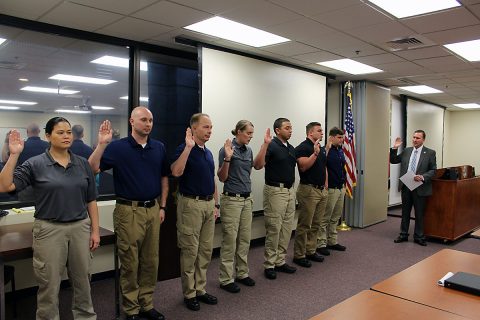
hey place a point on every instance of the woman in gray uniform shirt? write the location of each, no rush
(65, 230)
(235, 165)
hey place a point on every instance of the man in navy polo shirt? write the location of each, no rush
(140, 172)
(197, 209)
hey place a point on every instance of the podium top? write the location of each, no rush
(455, 173)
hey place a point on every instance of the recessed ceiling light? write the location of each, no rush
(72, 111)
(469, 50)
(68, 77)
(349, 66)
(102, 108)
(237, 32)
(23, 79)
(49, 90)
(118, 62)
(408, 8)
(2, 40)
(143, 99)
(9, 107)
(420, 89)
(467, 105)
(27, 103)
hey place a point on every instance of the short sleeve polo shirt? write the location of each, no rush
(316, 173)
(240, 168)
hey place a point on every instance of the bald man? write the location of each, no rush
(140, 172)
(33, 145)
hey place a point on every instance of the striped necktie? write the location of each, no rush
(413, 164)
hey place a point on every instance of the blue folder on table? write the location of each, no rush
(464, 281)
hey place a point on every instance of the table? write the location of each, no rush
(369, 304)
(16, 243)
(419, 283)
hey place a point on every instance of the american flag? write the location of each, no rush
(349, 146)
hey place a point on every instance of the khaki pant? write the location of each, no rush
(333, 212)
(195, 227)
(311, 209)
(57, 246)
(236, 213)
(279, 211)
(138, 233)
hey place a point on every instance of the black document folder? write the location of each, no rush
(464, 281)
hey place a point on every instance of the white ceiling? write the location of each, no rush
(319, 30)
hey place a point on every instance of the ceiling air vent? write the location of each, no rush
(12, 65)
(407, 43)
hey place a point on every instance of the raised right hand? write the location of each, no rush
(15, 142)
(189, 142)
(228, 147)
(105, 132)
(398, 142)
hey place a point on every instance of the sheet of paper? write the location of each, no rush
(408, 181)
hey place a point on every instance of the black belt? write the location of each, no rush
(145, 204)
(316, 186)
(238, 195)
(203, 198)
(279, 184)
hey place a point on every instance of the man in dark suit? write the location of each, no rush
(423, 162)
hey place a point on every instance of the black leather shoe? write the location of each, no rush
(231, 287)
(152, 314)
(285, 268)
(270, 273)
(132, 317)
(246, 281)
(302, 262)
(315, 257)
(323, 251)
(400, 239)
(207, 298)
(192, 304)
(421, 242)
(337, 247)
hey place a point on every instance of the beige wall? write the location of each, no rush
(333, 106)
(462, 145)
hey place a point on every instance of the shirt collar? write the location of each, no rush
(51, 161)
(134, 142)
(239, 146)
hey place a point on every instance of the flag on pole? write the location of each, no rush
(349, 146)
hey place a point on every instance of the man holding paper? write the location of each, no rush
(418, 163)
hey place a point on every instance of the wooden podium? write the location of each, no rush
(454, 208)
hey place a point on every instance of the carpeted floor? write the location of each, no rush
(371, 256)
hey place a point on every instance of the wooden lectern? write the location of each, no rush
(453, 210)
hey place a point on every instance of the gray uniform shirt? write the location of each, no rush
(241, 164)
(61, 194)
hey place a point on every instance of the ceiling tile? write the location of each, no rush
(289, 49)
(364, 16)
(260, 14)
(455, 35)
(66, 14)
(443, 20)
(379, 59)
(444, 64)
(171, 14)
(405, 68)
(467, 79)
(334, 39)
(299, 30)
(475, 10)
(309, 7)
(213, 6)
(360, 50)
(125, 7)
(423, 53)
(381, 33)
(318, 56)
(27, 9)
(9, 33)
(135, 29)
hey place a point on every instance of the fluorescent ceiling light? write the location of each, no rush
(234, 31)
(2, 40)
(420, 89)
(118, 62)
(349, 66)
(68, 77)
(23, 79)
(408, 8)
(72, 111)
(469, 50)
(467, 105)
(102, 108)
(9, 107)
(27, 103)
(49, 90)
(143, 99)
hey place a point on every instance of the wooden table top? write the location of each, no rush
(419, 283)
(16, 241)
(369, 304)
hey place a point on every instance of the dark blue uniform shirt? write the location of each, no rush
(336, 167)
(33, 147)
(81, 149)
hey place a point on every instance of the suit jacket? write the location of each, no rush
(427, 164)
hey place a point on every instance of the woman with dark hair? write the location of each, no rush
(65, 230)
